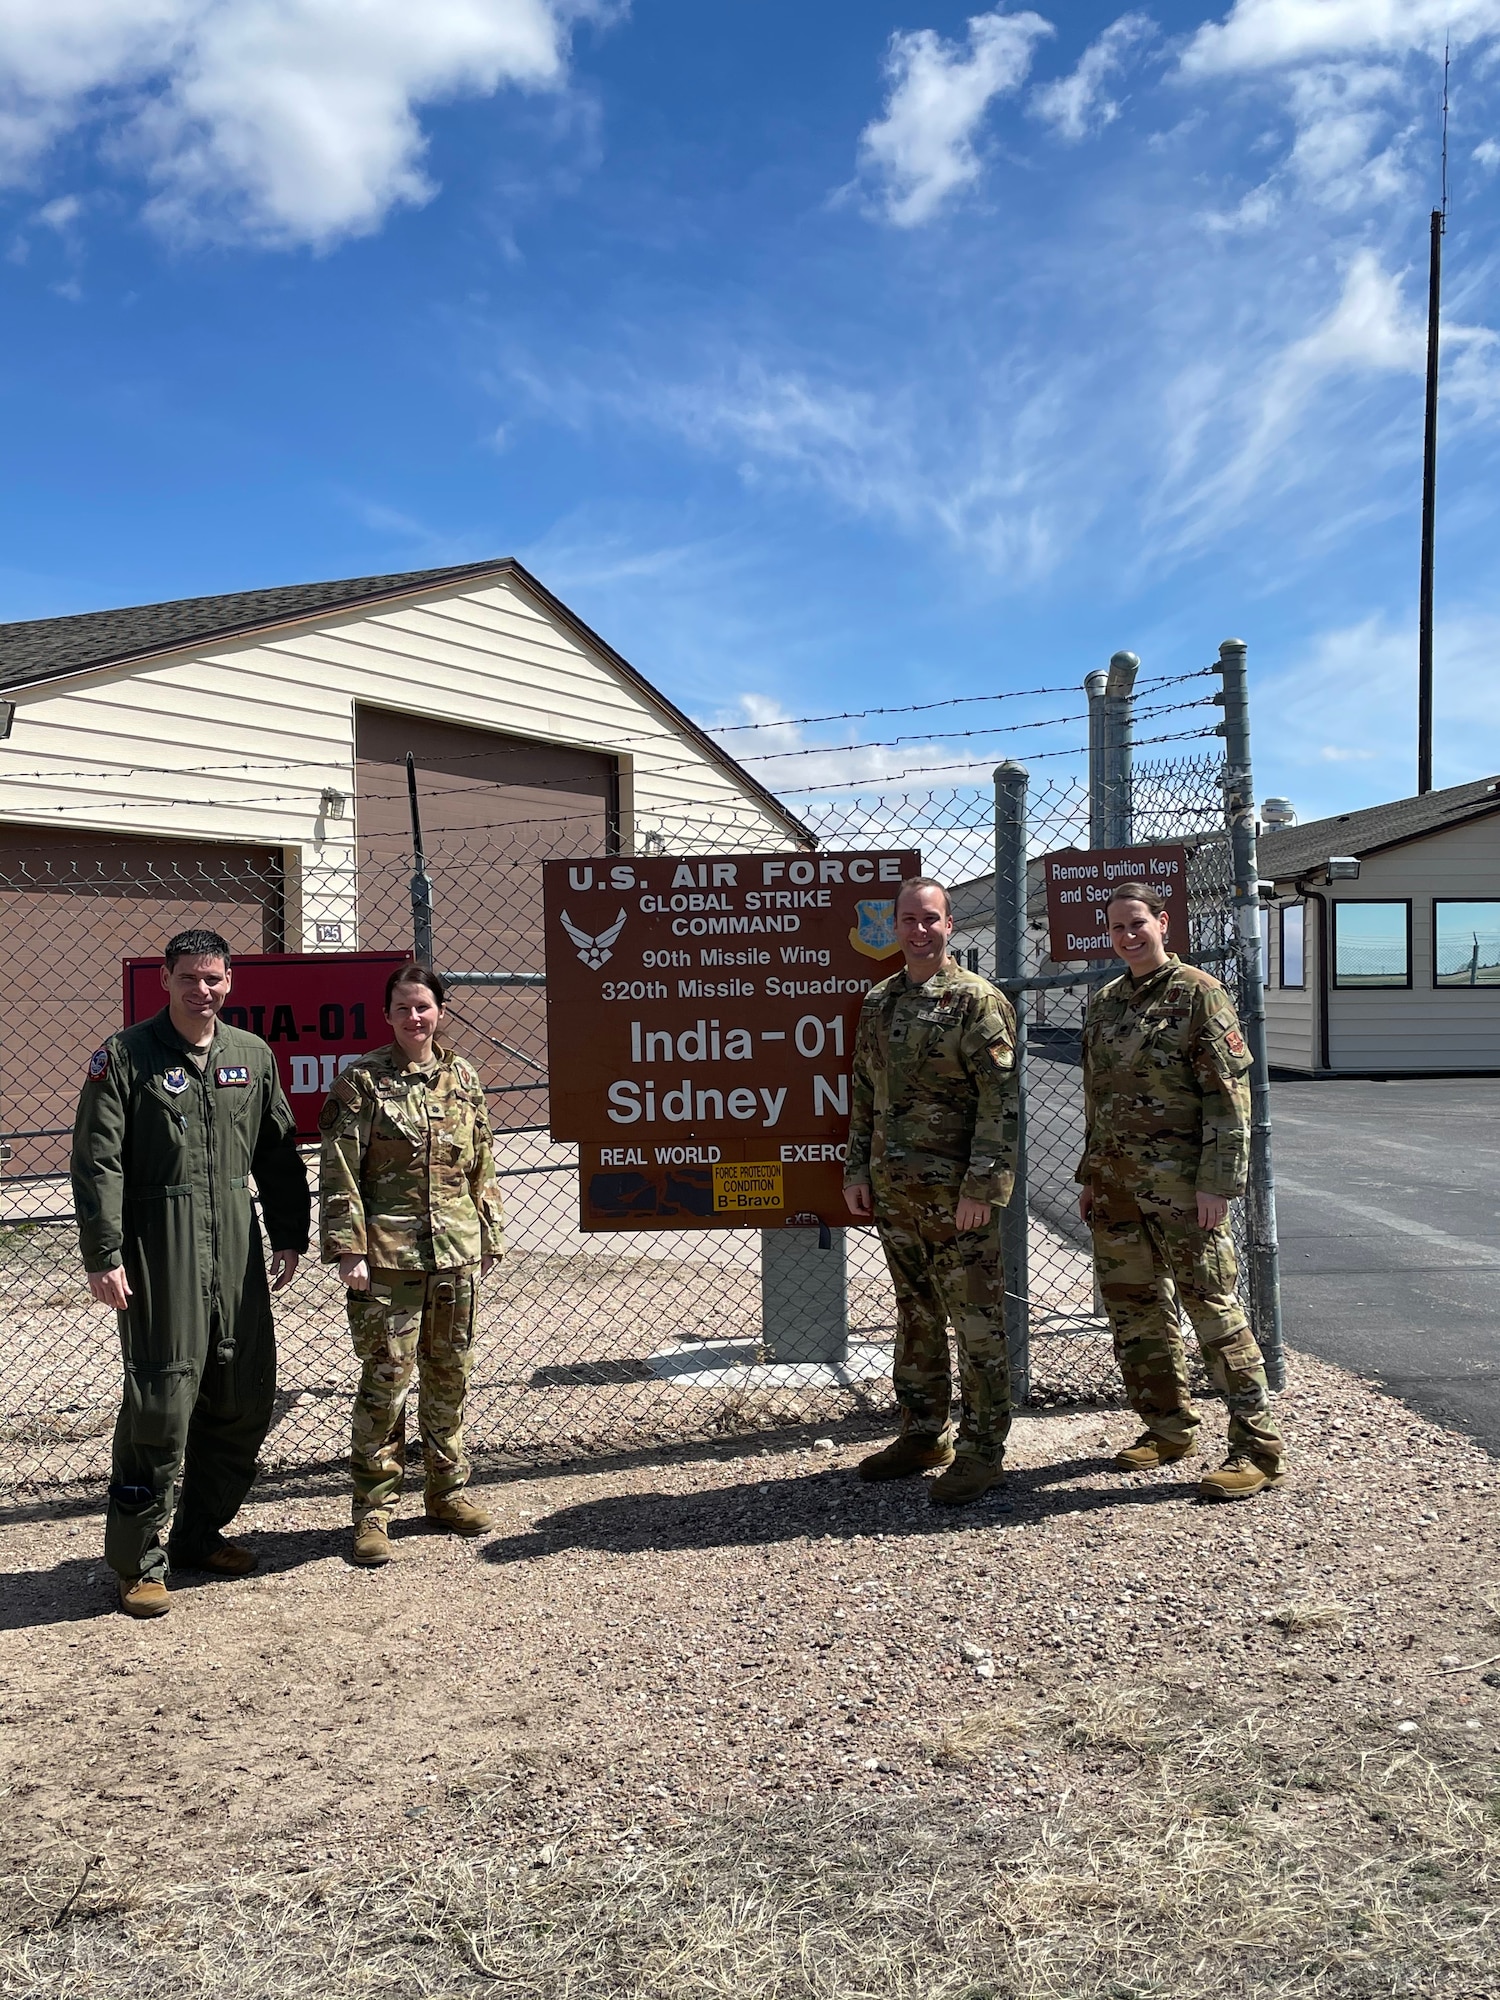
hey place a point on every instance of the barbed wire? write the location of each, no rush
(431, 791)
(927, 770)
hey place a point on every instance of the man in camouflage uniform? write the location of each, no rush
(932, 1149)
(411, 1214)
(1167, 1147)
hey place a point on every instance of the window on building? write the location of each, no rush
(1372, 944)
(1293, 944)
(1465, 943)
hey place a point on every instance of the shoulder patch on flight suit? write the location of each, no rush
(99, 1063)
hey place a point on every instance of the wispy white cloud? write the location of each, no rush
(1269, 34)
(1340, 717)
(280, 121)
(921, 151)
(1079, 103)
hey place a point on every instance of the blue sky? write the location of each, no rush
(821, 357)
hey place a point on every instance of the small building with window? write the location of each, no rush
(1382, 953)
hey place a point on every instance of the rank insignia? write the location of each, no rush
(174, 1080)
(99, 1064)
(229, 1079)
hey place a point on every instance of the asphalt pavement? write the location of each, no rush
(1388, 1203)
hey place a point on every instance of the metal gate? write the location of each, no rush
(597, 1344)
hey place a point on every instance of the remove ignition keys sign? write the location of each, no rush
(700, 1027)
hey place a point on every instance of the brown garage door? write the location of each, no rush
(74, 905)
(493, 809)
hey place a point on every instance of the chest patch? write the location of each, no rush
(174, 1080)
(237, 1077)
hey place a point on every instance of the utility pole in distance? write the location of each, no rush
(1439, 223)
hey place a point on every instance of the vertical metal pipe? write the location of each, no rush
(1010, 963)
(1239, 813)
(1093, 687)
(421, 881)
(1429, 508)
(1118, 734)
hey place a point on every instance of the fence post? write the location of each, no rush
(1010, 963)
(1239, 813)
(1117, 732)
(421, 881)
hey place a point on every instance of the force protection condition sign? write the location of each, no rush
(700, 1026)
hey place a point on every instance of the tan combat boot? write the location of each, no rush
(372, 1545)
(1238, 1477)
(458, 1515)
(144, 1597)
(965, 1480)
(1149, 1451)
(912, 1452)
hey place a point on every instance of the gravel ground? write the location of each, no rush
(708, 1636)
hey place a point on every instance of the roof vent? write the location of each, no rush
(1278, 812)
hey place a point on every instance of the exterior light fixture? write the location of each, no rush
(333, 803)
(7, 717)
(1343, 867)
(653, 845)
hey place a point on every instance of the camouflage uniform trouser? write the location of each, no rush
(1149, 1253)
(411, 1320)
(940, 1275)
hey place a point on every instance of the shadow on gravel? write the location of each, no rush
(83, 1588)
(834, 1505)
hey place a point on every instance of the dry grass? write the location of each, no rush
(1234, 1866)
(1310, 1614)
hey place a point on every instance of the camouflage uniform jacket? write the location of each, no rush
(408, 1166)
(1166, 1099)
(935, 1087)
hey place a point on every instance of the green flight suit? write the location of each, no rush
(162, 1159)
(935, 1119)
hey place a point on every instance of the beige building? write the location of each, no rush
(241, 760)
(1392, 966)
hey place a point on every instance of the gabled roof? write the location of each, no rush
(46, 649)
(1288, 851)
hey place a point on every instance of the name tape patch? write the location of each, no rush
(236, 1077)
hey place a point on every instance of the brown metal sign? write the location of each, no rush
(1080, 882)
(700, 1024)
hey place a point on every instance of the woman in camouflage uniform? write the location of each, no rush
(1167, 1106)
(411, 1215)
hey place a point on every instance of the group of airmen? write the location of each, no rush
(178, 1113)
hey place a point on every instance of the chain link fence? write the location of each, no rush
(588, 1343)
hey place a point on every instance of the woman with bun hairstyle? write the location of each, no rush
(411, 1215)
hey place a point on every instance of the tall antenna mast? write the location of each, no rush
(1439, 223)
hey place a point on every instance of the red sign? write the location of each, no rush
(700, 1026)
(318, 1011)
(1080, 882)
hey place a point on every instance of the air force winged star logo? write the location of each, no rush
(594, 951)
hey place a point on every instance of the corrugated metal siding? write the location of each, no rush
(1428, 1027)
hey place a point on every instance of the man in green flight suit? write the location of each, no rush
(175, 1116)
(1167, 1146)
(932, 1153)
